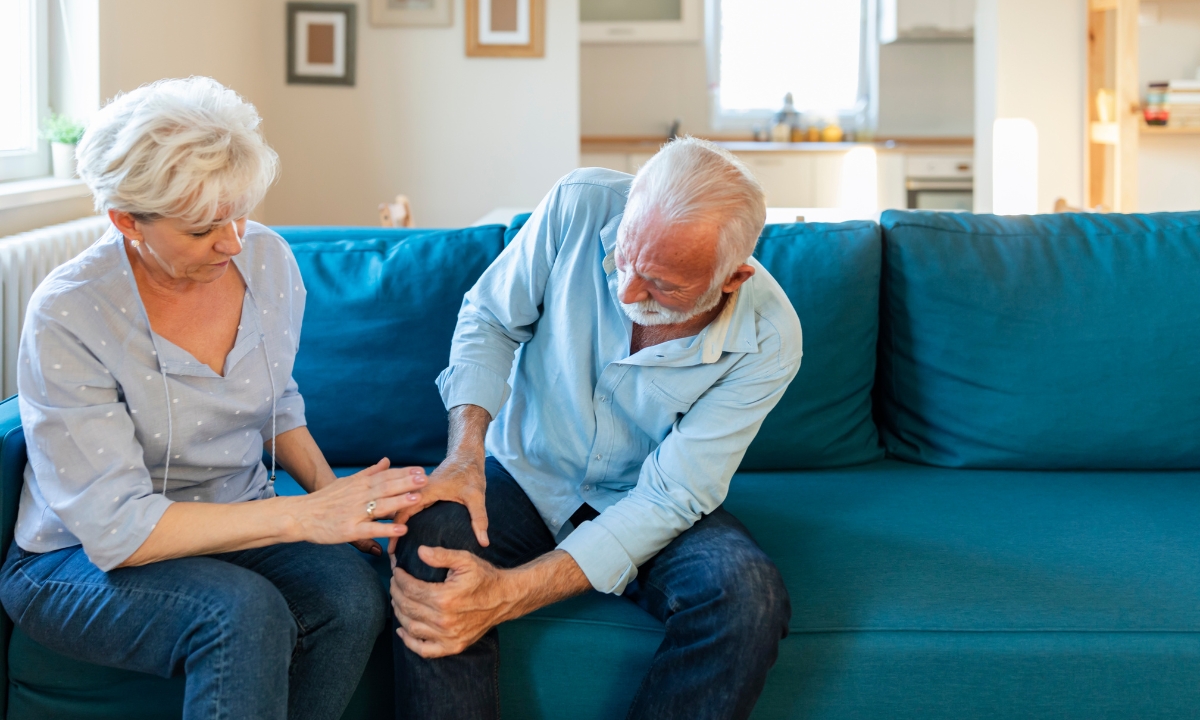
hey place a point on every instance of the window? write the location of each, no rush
(821, 51)
(22, 89)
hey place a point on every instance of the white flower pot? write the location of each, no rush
(63, 157)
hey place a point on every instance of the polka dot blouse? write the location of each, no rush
(102, 399)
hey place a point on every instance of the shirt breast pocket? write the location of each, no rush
(668, 399)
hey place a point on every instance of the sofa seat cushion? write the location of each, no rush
(381, 310)
(917, 592)
(922, 592)
(1063, 341)
(896, 546)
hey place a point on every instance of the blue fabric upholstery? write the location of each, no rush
(515, 226)
(831, 275)
(377, 329)
(918, 592)
(1052, 341)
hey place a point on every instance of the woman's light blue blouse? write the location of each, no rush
(105, 403)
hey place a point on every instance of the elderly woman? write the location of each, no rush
(153, 369)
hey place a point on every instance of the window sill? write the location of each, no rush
(22, 193)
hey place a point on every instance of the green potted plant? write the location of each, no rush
(64, 134)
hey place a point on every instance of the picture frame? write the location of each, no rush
(412, 13)
(322, 43)
(506, 28)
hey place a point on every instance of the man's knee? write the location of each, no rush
(755, 604)
(442, 524)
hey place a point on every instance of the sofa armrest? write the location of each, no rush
(12, 477)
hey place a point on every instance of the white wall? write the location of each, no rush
(1030, 63)
(458, 135)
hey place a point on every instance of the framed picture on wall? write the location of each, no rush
(506, 28)
(412, 13)
(321, 43)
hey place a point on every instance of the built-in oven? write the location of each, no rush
(940, 182)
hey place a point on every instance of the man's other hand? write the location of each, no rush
(457, 481)
(440, 619)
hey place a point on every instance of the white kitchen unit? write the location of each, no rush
(926, 19)
(808, 178)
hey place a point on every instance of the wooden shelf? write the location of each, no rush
(1168, 130)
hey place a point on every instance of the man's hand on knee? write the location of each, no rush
(463, 482)
(439, 619)
(461, 477)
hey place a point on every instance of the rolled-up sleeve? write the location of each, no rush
(83, 449)
(498, 314)
(685, 478)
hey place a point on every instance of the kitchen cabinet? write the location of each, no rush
(926, 19)
(787, 178)
(795, 178)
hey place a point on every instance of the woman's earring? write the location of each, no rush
(135, 243)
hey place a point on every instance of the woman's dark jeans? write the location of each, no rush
(720, 596)
(276, 632)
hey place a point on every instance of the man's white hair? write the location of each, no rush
(189, 149)
(693, 181)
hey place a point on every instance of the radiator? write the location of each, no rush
(25, 260)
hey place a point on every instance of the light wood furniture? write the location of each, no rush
(1110, 163)
(1167, 130)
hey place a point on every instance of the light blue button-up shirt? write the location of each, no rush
(651, 440)
(106, 402)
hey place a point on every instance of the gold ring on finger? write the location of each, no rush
(371, 509)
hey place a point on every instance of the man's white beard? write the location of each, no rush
(652, 312)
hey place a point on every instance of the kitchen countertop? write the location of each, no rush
(651, 145)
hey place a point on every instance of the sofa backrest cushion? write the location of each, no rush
(830, 272)
(380, 314)
(1042, 342)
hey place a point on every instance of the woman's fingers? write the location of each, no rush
(370, 530)
(380, 466)
(396, 482)
(389, 506)
(368, 546)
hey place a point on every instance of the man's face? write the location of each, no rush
(666, 272)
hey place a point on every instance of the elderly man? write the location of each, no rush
(649, 347)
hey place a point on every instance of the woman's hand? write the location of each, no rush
(337, 512)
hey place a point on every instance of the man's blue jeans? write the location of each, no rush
(276, 632)
(721, 598)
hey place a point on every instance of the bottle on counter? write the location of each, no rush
(785, 121)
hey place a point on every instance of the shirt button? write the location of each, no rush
(602, 398)
(587, 487)
(598, 456)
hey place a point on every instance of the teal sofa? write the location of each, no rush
(982, 489)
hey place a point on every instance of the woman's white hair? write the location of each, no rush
(693, 181)
(189, 149)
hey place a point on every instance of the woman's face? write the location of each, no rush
(181, 251)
